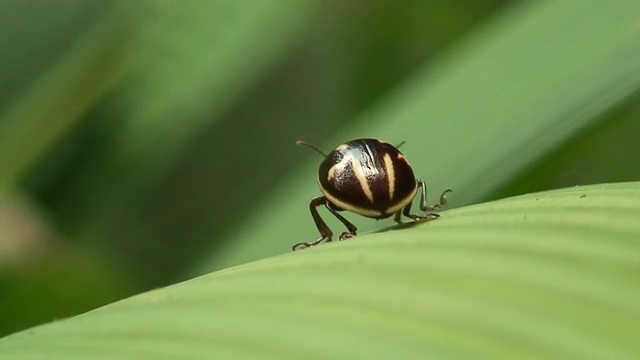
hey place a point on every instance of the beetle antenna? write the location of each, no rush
(401, 143)
(303, 143)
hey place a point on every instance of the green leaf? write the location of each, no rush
(191, 73)
(530, 80)
(182, 70)
(547, 275)
(193, 61)
(68, 88)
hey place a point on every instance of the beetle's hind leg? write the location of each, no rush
(407, 212)
(442, 201)
(424, 206)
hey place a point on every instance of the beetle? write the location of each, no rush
(369, 177)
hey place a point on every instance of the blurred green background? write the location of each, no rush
(137, 137)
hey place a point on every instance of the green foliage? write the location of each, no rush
(466, 116)
(546, 275)
(154, 141)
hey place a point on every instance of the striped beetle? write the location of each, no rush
(369, 177)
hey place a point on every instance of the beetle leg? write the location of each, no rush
(398, 216)
(423, 198)
(325, 232)
(407, 212)
(353, 230)
(423, 204)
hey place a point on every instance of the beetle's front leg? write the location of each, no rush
(353, 230)
(325, 232)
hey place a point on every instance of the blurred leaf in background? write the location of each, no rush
(59, 60)
(132, 132)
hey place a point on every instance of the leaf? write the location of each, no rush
(180, 67)
(199, 58)
(547, 275)
(61, 96)
(522, 85)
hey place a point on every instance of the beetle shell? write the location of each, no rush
(369, 177)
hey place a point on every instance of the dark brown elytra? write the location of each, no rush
(369, 177)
